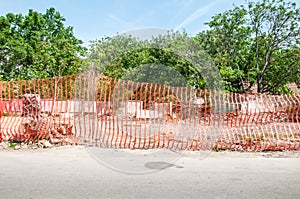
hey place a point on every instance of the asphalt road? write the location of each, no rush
(79, 172)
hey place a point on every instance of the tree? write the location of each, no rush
(172, 59)
(226, 42)
(38, 46)
(256, 44)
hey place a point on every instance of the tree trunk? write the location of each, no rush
(259, 86)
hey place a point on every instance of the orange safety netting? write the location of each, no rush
(107, 112)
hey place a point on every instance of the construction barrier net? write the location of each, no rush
(107, 112)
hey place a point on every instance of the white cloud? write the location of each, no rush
(198, 13)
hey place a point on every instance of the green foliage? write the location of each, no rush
(173, 59)
(37, 46)
(256, 44)
(12, 144)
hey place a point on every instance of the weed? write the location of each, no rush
(217, 149)
(12, 145)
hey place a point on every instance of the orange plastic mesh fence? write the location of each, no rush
(107, 112)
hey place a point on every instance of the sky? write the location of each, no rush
(94, 19)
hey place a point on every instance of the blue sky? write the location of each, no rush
(94, 19)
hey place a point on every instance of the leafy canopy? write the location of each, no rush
(37, 46)
(257, 44)
(173, 59)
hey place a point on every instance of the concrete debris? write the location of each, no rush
(104, 112)
(17, 147)
(44, 144)
(24, 146)
(68, 141)
(67, 116)
(4, 145)
(55, 141)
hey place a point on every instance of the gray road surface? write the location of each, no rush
(75, 172)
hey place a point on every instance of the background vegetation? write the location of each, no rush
(253, 45)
